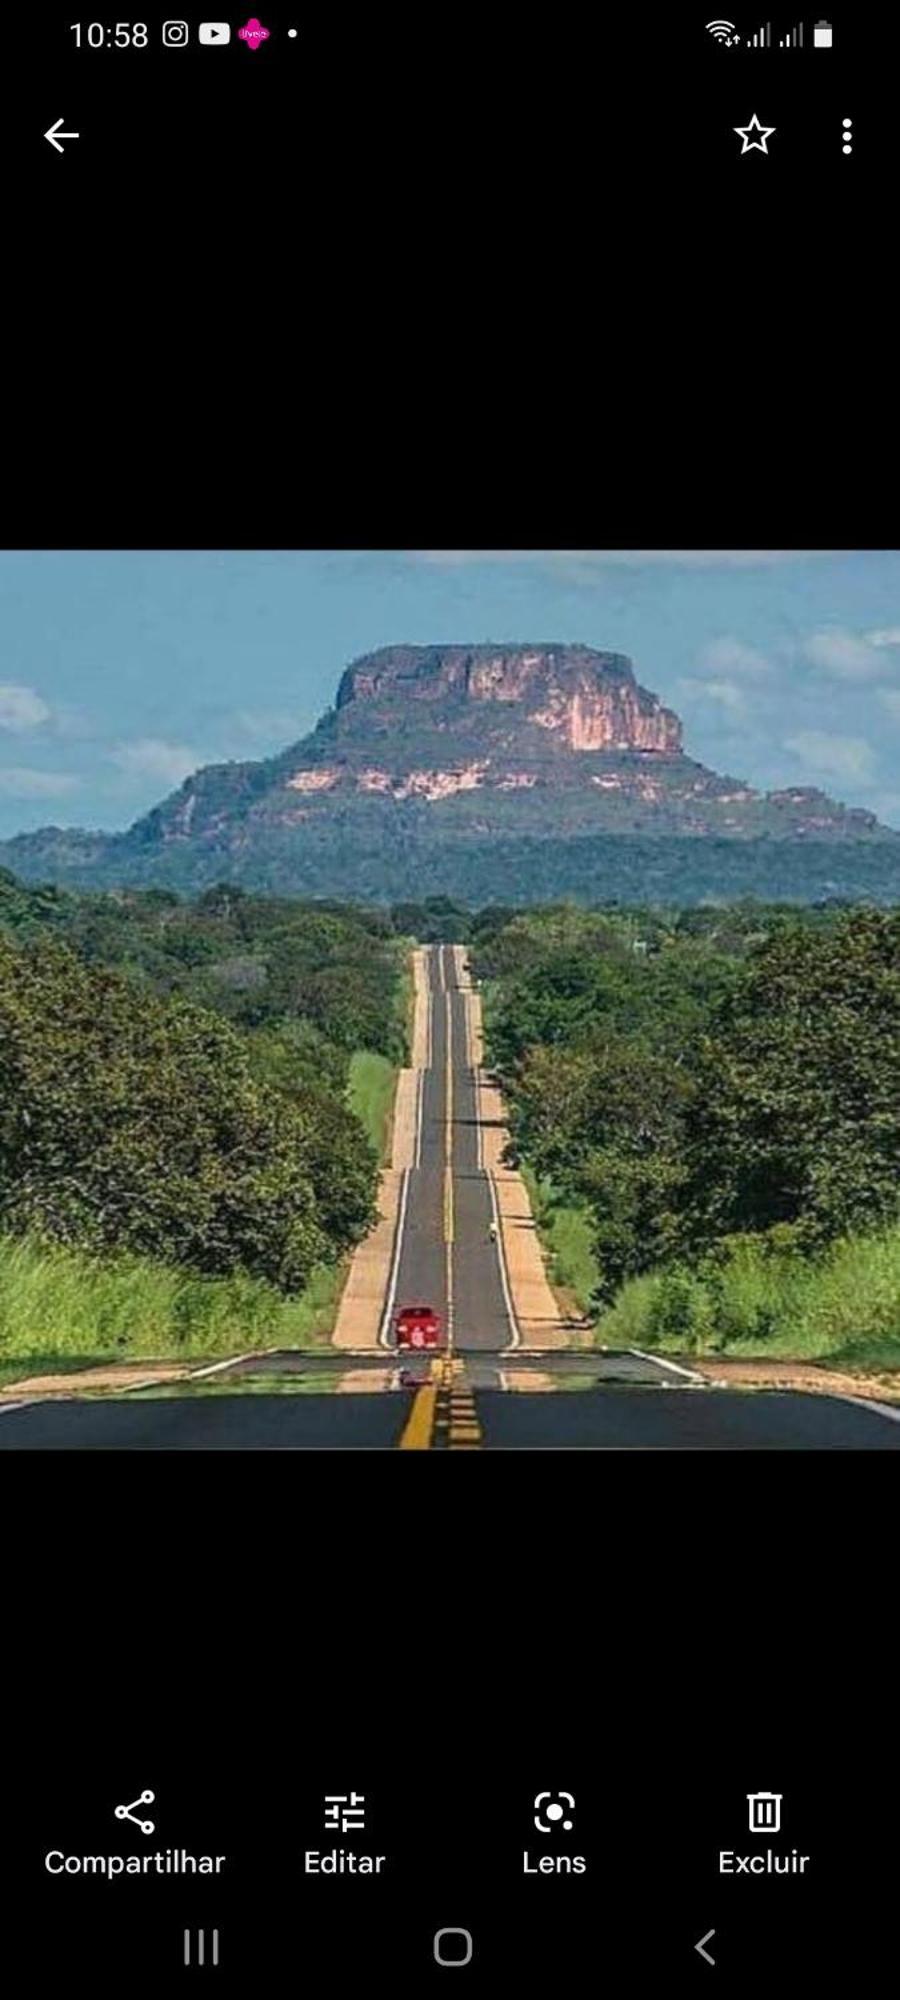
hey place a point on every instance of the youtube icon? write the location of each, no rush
(214, 33)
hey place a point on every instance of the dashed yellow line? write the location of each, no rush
(443, 1411)
(463, 1430)
(448, 1167)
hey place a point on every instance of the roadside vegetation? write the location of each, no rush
(195, 1097)
(370, 1095)
(709, 1103)
(754, 1301)
(567, 1236)
(194, 1103)
(60, 1308)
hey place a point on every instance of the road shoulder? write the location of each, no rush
(359, 1314)
(537, 1312)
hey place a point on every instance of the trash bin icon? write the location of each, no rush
(765, 1811)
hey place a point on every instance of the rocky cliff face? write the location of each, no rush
(586, 699)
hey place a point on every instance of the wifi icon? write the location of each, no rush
(723, 31)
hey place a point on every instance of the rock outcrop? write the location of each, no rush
(521, 770)
(588, 700)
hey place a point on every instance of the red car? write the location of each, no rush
(417, 1326)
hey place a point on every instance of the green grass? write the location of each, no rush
(842, 1306)
(405, 996)
(370, 1092)
(565, 1233)
(60, 1308)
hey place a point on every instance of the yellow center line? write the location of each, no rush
(443, 1411)
(448, 1167)
(445, 1404)
(418, 1430)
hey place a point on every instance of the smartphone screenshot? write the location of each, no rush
(449, 1001)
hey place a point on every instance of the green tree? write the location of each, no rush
(127, 1120)
(796, 1113)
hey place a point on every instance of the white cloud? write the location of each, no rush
(686, 558)
(17, 782)
(844, 656)
(731, 657)
(21, 707)
(889, 637)
(152, 757)
(832, 756)
(726, 694)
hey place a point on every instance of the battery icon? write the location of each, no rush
(822, 35)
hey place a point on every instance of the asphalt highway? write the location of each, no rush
(600, 1417)
(447, 1259)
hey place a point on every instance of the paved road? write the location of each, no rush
(491, 1393)
(446, 1257)
(604, 1417)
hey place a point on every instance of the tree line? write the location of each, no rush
(173, 1075)
(695, 1078)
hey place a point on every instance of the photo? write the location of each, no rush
(449, 999)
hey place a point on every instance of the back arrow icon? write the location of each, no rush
(54, 135)
(699, 1947)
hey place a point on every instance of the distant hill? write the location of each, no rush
(485, 772)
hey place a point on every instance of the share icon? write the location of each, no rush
(128, 1812)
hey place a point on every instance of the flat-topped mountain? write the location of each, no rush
(578, 698)
(485, 771)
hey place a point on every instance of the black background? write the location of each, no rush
(448, 283)
(406, 280)
(658, 1637)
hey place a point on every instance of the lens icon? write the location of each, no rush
(175, 34)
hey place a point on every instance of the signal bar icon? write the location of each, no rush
(793, 40)
(762, 38)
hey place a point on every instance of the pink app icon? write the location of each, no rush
(254, 34)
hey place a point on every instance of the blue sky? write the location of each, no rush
(120, 672)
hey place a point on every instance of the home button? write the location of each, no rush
(453, 1946)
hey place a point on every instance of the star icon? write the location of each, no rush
(763, 134)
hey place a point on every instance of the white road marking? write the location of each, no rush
(515, 1337)
(385, 1327)
(448, 1161)
(690, 1373)
(889, 1410)
(231, 1361)
(384, 1331)
(420, 1097)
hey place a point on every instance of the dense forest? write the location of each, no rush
(182, 1083)
(715, 1095)
(361, 853)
